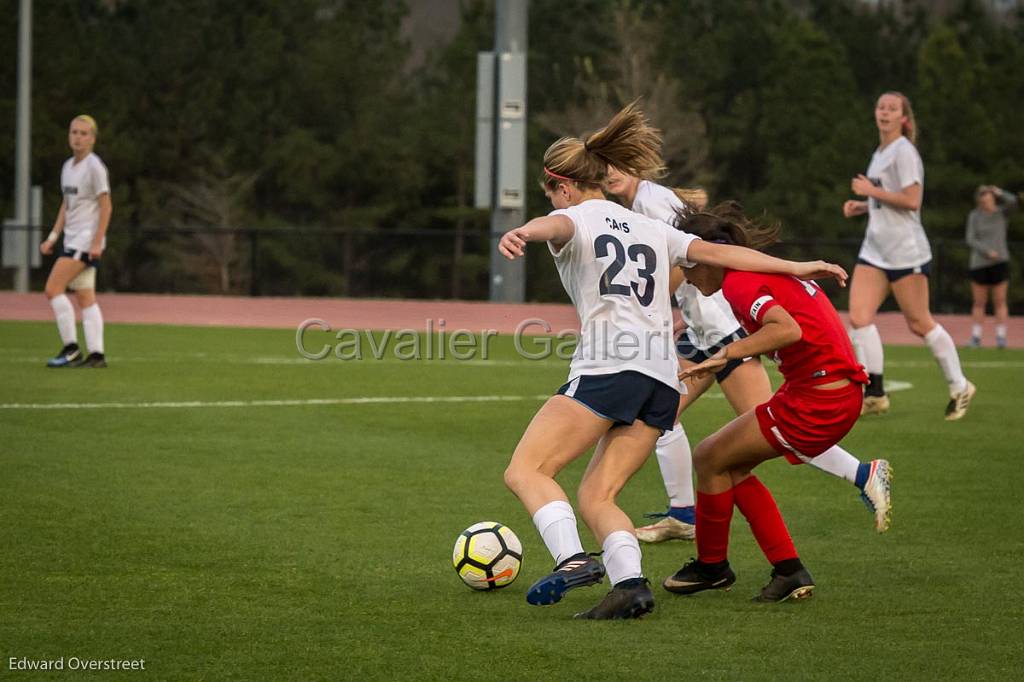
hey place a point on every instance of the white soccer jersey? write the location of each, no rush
(615, 269)
(82, 183)
(895, 239)
(708, 319)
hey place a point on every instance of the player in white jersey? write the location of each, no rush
(710, 326)
(622, 389)
(83, 218)
(896, 256)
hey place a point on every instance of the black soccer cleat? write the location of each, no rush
(697, 576)
(67, 356)
(629, 599)
(94, 360)
(579, 570)
(799, 585)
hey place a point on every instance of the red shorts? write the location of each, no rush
(803, 422)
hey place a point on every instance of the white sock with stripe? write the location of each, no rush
(676, 463)
(92, 325)
(65, 316)
(556, 523)
(944, 350)
(621, 556)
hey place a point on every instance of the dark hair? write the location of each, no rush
(727, 224)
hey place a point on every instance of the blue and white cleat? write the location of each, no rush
(877, 494)
(579, 570)
(67, 357)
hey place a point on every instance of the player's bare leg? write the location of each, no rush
(619, 455)
(64, 270)
(559, 433)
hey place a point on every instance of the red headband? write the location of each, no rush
(556, 175)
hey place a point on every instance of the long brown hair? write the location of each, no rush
(727, 224)
(629, 142)
(908, 127)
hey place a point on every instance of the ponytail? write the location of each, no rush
(628, 142)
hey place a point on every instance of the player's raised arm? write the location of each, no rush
(742, 258)
(556, 229)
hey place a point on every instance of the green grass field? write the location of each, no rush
(305, 541)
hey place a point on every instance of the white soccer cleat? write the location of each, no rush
(959, 402)
(877, 494)
(875, 404)
(666, 529)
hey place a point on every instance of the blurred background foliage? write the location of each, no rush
(325, 147)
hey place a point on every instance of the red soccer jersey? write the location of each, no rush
(824, 353)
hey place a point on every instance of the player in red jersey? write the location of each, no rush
(816, 406)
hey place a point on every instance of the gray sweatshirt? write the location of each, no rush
(987, 232)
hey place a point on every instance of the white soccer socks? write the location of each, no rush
(944, 350)
(676, 463)
(867, 343)
(621, 556)
(92, 324)
(65, 316)
(556, 523)
(838, 462)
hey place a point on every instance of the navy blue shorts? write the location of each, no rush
(83, 256)
(893, 275)
(687, 351)
(625, 397)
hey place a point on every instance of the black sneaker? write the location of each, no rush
(94, 360)
(799, 585)
(67, 356)
(629, 599)
(579, 570)
(697, 576)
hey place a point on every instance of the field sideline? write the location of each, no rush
(224, 509)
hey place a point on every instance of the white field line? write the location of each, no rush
(891, 386)
(374, 400)
(894, 386)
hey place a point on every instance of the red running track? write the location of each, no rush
(341, 313)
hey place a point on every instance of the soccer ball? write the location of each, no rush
(487, 556)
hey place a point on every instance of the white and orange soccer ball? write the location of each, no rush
(487, 556)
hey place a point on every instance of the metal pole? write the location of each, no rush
(22, 143)
(510, 38)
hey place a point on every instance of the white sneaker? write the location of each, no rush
(877, 494)
(667, 529)
(875, 404)
(959, 402)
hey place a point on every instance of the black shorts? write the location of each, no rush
(687, 351)
(991, 275)
(83, 256)
(625, 397)
(893, 275)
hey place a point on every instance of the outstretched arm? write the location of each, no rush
(742, 258)
(557, 229)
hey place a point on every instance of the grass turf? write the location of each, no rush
(314, 541)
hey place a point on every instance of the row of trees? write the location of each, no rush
(267, 114)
